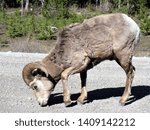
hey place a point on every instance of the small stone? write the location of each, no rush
(29, 98)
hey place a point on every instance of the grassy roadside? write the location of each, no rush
(23, 44)
(23, 34)
(144, 48)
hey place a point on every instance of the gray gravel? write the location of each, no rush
(105, 86)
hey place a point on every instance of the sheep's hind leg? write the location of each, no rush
(83, 95)
(129, 69)
(130, 75)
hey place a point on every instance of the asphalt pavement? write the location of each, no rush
(105, 85)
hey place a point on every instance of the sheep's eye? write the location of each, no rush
(35, 87)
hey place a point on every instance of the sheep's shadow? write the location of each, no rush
(138, 92)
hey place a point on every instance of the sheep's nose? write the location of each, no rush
(42, 103)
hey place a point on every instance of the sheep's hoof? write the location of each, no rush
(122, 102)
(81, 101)
(129, 100)
(68, 103)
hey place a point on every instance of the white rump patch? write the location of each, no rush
(133, 27)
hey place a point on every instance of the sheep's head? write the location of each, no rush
(36, 77)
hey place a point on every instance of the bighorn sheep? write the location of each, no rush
(81, 46)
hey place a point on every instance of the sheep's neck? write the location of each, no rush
(53, 69)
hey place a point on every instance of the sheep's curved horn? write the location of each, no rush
(28, 72)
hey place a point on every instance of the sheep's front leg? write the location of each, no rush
(83, 95)
(66, 92)
(72, 70)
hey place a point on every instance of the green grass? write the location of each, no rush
(33, 27)
(38, 27)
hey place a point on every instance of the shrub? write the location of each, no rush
(144, 18)
(42, 29)
(18, 25)
(145, 25)
(4, 42)
(37, 27)
(56, 8)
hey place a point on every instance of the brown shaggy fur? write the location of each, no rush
(81, 46)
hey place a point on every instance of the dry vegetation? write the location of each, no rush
(23, 44)
(144, 48)
(16, 28)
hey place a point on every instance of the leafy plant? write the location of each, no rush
(144, 19)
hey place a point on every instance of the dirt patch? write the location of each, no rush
(144, 48)
(26, 45)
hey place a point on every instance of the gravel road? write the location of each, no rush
(105, 85)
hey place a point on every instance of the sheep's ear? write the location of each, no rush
(35, 72)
